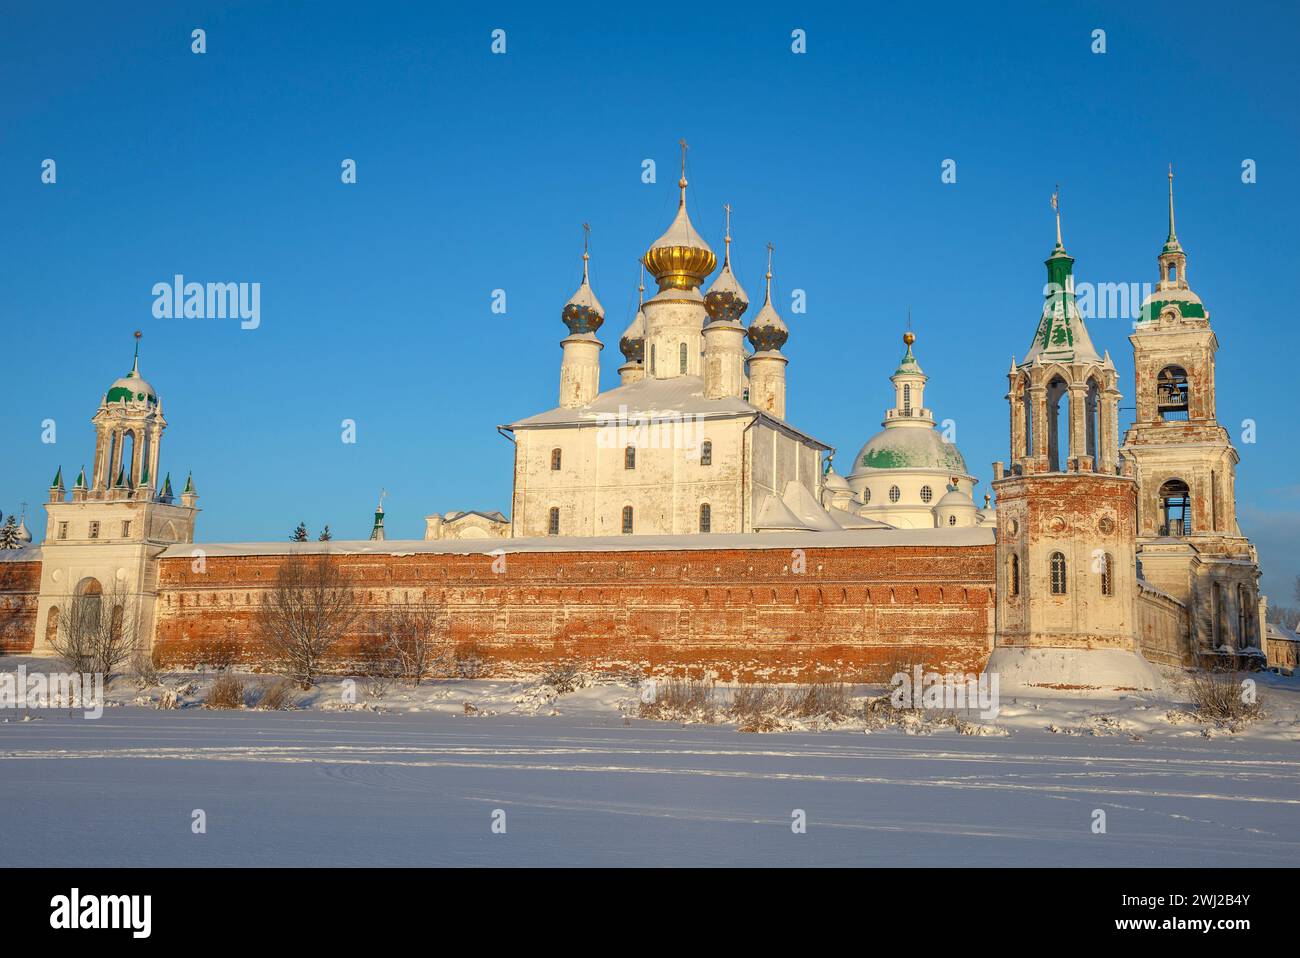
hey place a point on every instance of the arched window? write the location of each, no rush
(629, 457)
(706, 453)
(1175, 509)
(894, 494)
(1013, 574)
(706, 517)
(553, 522)
(681, 357)
(1058, 573)
(952, 520)
(1058, 425)
(653, 364)
(1173, 273)
(866, 497)
(1172, 394)
(926, 494)
(1107, 575)
(907, 399)
(52, 625)
(555, 459)
(627, 520)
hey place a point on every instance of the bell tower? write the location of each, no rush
(104, 541)
(1189, 543)
(1066, 512)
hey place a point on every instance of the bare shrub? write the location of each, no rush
(276, 696)
(408, 641)
(1219, 696)
(227, 692)
(903, 659)
(829, 699)
(219, 655)
(468, 660)
(144, 668)
(562, 676)
(310, 607)
(99, 632)
(677, 698)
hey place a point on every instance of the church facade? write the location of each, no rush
(679, 520)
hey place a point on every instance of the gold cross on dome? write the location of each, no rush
(586, 235)
(682, 144)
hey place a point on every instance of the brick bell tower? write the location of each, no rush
(1189, 544)
(1066, 512)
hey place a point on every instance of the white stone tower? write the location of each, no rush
(103, 543)
(724, 334)
(767, 334)
(580, 367)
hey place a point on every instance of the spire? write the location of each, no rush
(81, 479)
(1056, 205)
(166, 494)
(135, 363)
(377, 531)
(1172, 242)
(58, 479)
(583, 312)
(189, 483)
(1061, 335)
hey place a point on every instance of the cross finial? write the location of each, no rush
(586, 237)
(1056, 205)
(1172, 235)
(727, 208)
(640, 289)
(769, 272)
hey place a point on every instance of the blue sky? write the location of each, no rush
(476, 171)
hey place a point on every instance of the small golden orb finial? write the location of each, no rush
(909, 337)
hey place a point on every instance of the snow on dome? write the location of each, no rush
(726, 300)
(583, 312)
(909, 449)
(632, 342)
(131, 388)
(768, 331)
(834, 482)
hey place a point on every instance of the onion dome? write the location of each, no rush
(131, 387)
(680, 259)
(632, 342)
(583, 312)
(767, 331)
(24, 536)
(726, 302)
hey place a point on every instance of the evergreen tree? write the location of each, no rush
(325, 534)
(299, 534)
(9, 534)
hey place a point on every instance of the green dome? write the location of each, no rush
(131, 388)
(910, 448)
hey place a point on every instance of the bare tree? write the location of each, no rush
(409, 637)
(99, 632)
(311, 606)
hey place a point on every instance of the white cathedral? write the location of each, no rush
(694, 439)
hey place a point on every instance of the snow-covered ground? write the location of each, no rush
(582, 781)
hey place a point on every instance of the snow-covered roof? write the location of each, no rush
(494, 516)
(31, 553)
(1280, 633)
(775, 515)
(843, 539)
(654, 399)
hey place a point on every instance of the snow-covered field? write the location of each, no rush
(582, 781)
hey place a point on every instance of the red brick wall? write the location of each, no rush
(20, 586)
(736, 612)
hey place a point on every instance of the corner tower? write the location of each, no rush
(1066, 515)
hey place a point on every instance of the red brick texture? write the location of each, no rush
(733, 613)
(20, 587)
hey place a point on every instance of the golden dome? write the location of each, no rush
(680, 259)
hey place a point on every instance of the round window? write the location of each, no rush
(894, 493)
(926, 493)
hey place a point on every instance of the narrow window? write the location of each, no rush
(553, 522)
(627, 520)
(926, 494)
(1013, 574)
(63, 530)
(681, 356)
(653, 364)
(866, 496)
(894, 493)
(706, 453)
(907, 399)
(1058, 574)
(629, 457)
(94, 530)
(952, 520)
(706, 517)
(1107, 578)
(555, 459)
(126, 528)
